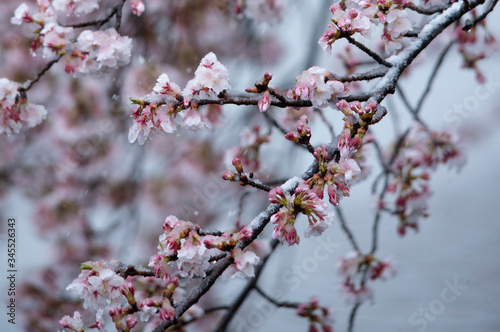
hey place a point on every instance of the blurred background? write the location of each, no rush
(80, 191)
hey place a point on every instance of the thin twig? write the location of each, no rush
(42, 72)
(352, 316)
(248, 288)
(282, 304)
(365, 49)
(325, 121)
(470, 24)
(346, 229)
(438, 64)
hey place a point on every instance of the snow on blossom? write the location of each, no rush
(98, 286)
(44, 15)
(147, 309)
(137, 7)
(149, 119)
(193, 259)
(165, 87)
(244, 262)
(210, 78)
(181, 251)
(397, 24)
(100, 49)
(311, 84)
(55, 38)
(76, 7)
(21, 15)
(268, 11)
(355, 17)
(74, 323)
(15, 111)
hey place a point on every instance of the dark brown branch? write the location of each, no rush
(129, 270)
(257, 225)
(325, 121)
(283, 304)
(368, 76)
(279, 127)
(469, 24)
(355, 308)
(405, 58)
(365, 49)
(116, 10)
(42, 72)
(244, 293)
(346, 229)
(247, 180)
(433, 75)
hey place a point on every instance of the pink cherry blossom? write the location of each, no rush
(102, 49)
(165, 87)
(311, 84)
(21, 15)
(264, 101)
(74, 323)
(17, 112)
(98, 286)
(244, 262)
(137, 7)
(211, 78)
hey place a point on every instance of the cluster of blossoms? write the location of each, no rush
(101, 287)
(314, 85)
(356, 269)
(304, 201)
(15, 110)
(183, 252)
(338, 175)
(159, 113)
(350, 17)
(421, 152)
(318, 316)
(92, 50)
(268, 11)
(474, 45)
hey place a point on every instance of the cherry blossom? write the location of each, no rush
(304, 201)
(210, 78)
(313, 84)
(316, 314)
(100, 49)
(21, 15)
(137, 7)
(98, 194)
(16, 112)
(98, 285)
(74, 323)
(353, 267)
(244, 262)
